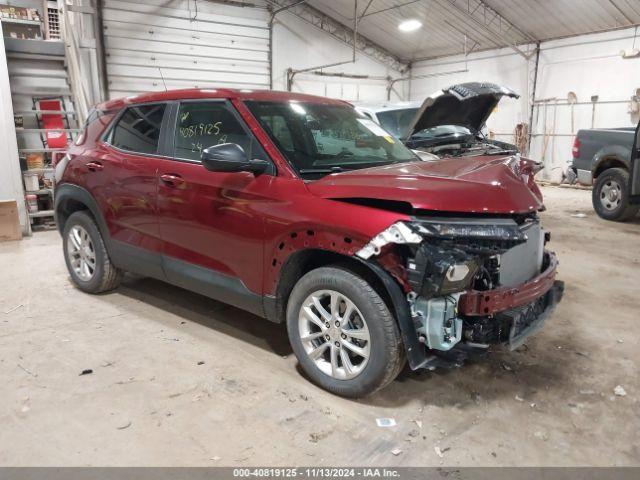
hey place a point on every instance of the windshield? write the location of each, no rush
(397, 121)
(321, 139)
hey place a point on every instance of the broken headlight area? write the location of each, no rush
(506, 232)
(437, 270)
(446, 258)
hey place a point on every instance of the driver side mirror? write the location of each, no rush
(231, 157)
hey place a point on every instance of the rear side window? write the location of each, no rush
(138, 129)
(203, 125)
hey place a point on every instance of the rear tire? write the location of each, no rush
(86, 255)
(610, 196)
(365, 362)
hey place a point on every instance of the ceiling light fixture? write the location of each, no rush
(409, 25)
(298, 108)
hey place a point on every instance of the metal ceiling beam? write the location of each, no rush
(364, 12)
(466, 37)
(516, 27)
(486, 8)
(387, 9)
(344, 34)
(475, 11)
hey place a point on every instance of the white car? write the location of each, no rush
(395, 118)
(448, 123)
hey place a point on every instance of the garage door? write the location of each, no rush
(184, 44)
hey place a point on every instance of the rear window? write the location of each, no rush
(138, 129)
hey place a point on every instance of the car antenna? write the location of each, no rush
(162, 77)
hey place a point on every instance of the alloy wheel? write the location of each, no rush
(334, 334)
(81, 253)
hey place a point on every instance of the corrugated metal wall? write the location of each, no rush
(214, 46)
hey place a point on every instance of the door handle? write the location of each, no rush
(94, 166)
(172, 180)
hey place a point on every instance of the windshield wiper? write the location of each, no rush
(498, 150)
(321, 170)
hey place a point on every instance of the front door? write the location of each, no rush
(212, 223)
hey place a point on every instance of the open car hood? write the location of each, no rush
(466, 104)
(483, 184)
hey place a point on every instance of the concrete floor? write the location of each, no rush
(149, 400)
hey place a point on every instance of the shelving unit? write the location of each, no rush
(42, 191)
(19, 21)
(38, 73)
(47, 194)
(41, 150)
(42, 213)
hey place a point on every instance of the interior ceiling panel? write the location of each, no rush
(484, 23)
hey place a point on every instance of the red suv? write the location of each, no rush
(301, 210)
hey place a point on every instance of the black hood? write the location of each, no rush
(466, 104)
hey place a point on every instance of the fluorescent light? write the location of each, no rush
(409, 25)
(298, 108)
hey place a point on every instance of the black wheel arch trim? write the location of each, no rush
(134, 259)
(415, 351)
(69, 191)
(614, 153)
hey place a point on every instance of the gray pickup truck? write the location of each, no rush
(605, 158)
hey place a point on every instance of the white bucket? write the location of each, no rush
(31, 183)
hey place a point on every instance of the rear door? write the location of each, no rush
(130, 153)
(635, 169)
(212, 223)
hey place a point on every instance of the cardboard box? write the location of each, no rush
(9, 221)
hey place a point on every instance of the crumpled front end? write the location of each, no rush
(470, 282)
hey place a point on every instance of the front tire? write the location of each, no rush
(610, 196)
(86, 255)
(342, 333)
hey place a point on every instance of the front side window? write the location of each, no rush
(138, 129)
(318, 139)
(204, 124)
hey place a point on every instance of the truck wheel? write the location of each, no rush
(86, 255)
(342, 333)
(610, 196)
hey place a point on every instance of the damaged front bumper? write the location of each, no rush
(529, 319)
(489, 302)
(460, 302)
(512, 326)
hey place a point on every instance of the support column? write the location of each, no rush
(10, 175)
